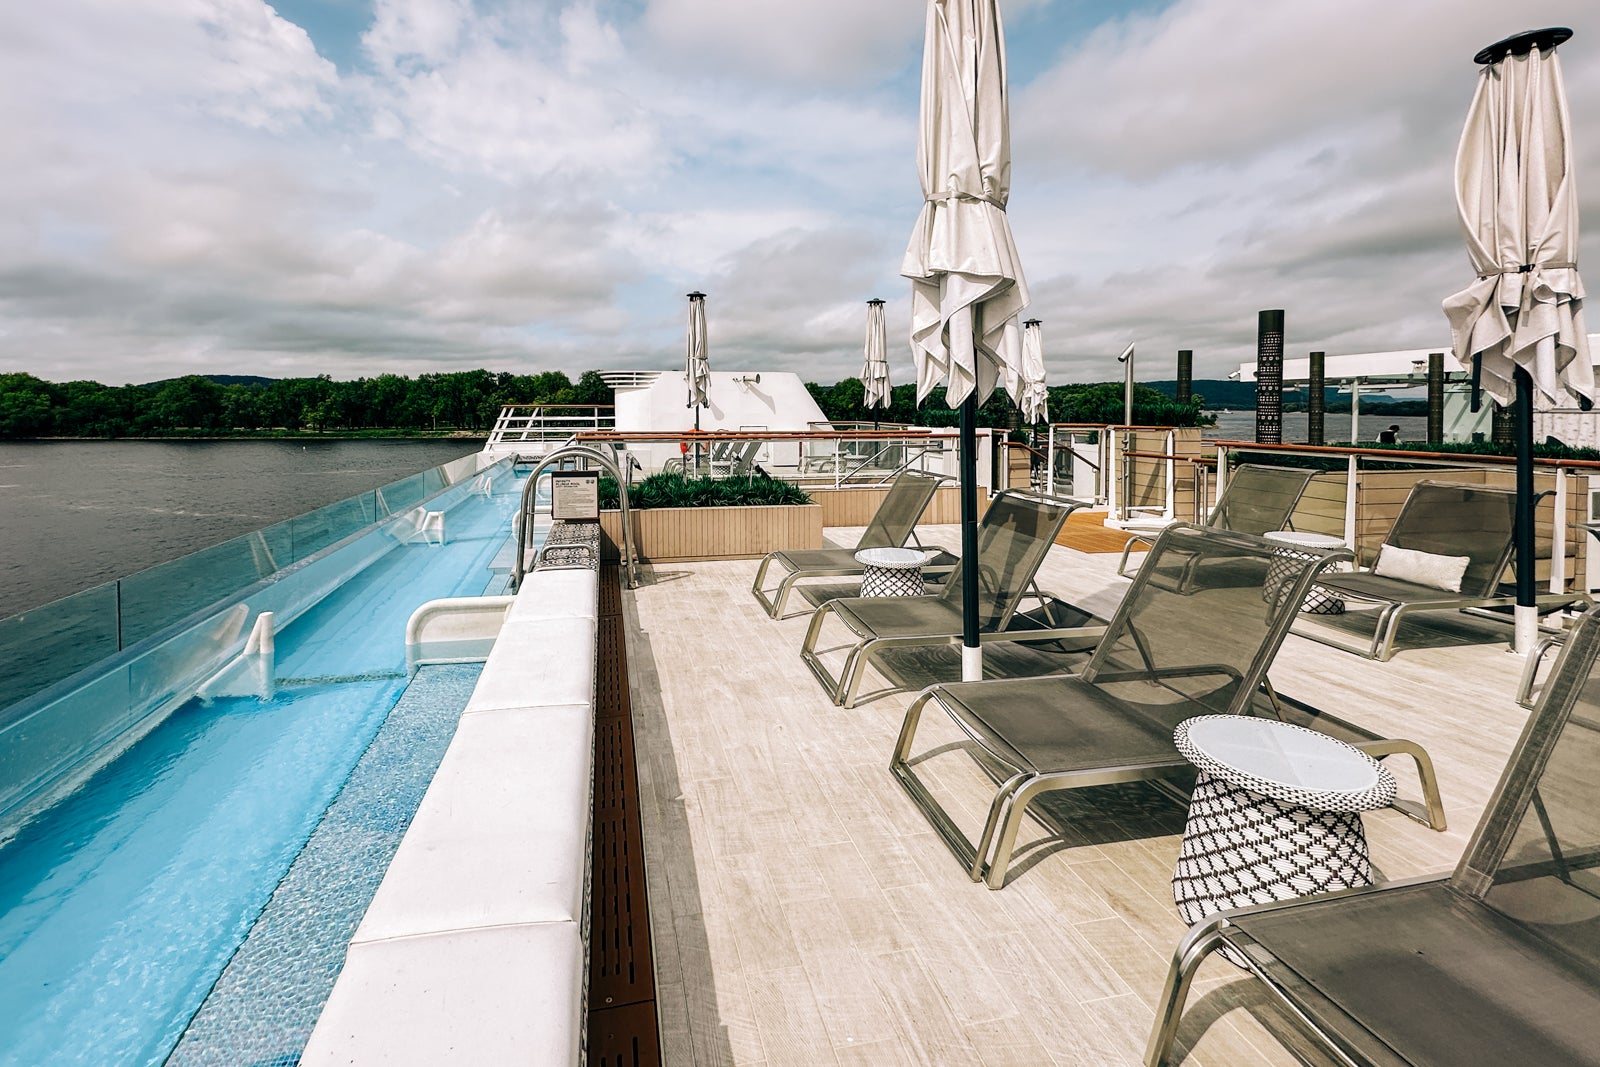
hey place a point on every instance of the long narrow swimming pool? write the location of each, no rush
(121, 906)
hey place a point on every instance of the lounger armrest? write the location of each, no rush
(1429, 812)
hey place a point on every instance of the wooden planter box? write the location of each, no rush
(682, 535)
(855, 507)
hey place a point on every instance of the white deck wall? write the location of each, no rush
(778, 402)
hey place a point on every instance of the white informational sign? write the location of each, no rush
(575, 496)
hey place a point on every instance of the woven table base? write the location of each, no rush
(891, 581)
(1241, 848)
(1281, 573)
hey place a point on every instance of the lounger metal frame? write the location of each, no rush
(1419, 598)
(989, 858)
(1530, 669)
(1518, 789)
(1217, 931)
(1239, 482)
(848, 567)
(1053, 620)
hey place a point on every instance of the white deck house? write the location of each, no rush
(657, 402)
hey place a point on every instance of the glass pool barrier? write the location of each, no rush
(122, 904)
(99, 690)
(44, 645)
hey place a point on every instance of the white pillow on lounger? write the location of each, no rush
(1423, 568)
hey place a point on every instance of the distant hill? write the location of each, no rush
(1220, 393)
(222, 379)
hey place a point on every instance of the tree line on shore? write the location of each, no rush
(1097, 403)
(198, 404)
(221, 405)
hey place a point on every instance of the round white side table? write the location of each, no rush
(1290, 549)
(1276, 814)
(892, 571)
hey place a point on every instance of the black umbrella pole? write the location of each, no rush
(1524, 527)
(970, 655)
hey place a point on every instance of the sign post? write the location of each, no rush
(575, 496)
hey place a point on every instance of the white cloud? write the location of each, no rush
(831, 41)
(235, 59)
(423, 31)
(457, 93)
(700, 242)
(591, 43)
(1206, 81)
(187, 184)
(1177, 172)
(260, 70)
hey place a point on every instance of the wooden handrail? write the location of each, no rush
(921, 434)
(1199, 461)
(1115, 426)
(1397, 453)
(1027, 447)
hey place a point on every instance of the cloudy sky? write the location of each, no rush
(358, 186)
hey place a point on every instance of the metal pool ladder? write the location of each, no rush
(525, 513)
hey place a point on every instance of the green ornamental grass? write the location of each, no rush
(672, 490)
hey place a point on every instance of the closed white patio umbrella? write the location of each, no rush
(875, 367)
(1029, 390)
(967, 289)
(1522, 319)
(696, 363)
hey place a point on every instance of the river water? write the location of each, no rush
(74, 514)
(1241, 426)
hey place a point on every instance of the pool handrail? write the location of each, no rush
(524, 525)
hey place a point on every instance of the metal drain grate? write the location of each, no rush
(611, 672)
(624, 1037)
(610, 591)
(622, 1017)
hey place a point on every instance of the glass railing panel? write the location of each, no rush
(315, 530)
(274, 546)
(37, 750)
(156, 598)
(40, 647)
(186, 657)
(409, 492)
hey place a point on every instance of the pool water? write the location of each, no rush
(264, 1006)
(120, 907)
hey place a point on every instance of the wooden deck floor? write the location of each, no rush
(804, 912)
(1086, 531)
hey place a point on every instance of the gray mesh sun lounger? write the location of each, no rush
(1013, 538)
(1257, 500)
(892, 526)
(1186, 640)
(1444, 519)
(1497, 964)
